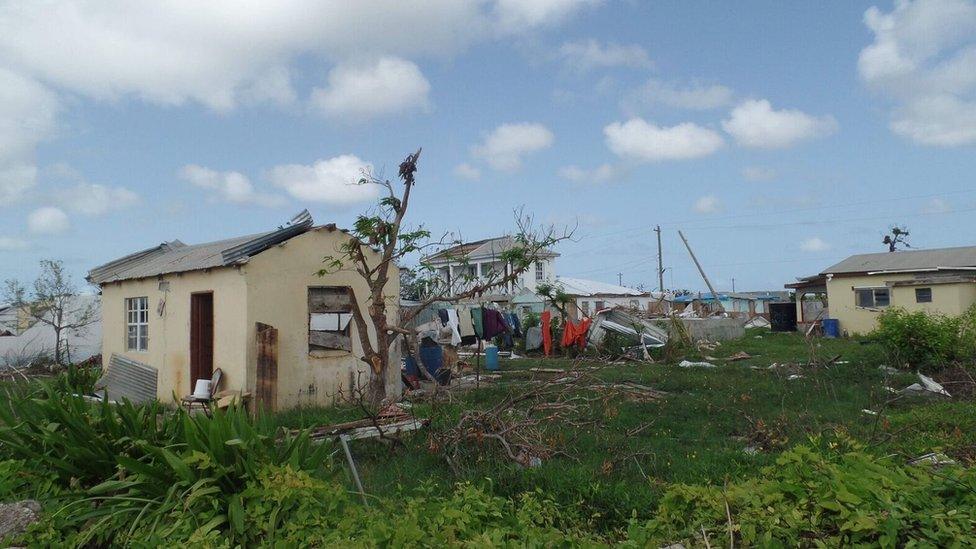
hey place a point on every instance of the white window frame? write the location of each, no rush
(540, 271)
(874, 298)
(137, 324)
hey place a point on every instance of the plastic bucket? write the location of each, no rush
(491, 358)
(411, 366)
(433, 359)
(831, 327)
(202, 389)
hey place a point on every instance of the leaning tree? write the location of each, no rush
(380, 241)
(54, 301)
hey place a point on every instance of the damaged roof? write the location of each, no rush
(177, 257)
(479, 249)
(935, 259)
(585, 288)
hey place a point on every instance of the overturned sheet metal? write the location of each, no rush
(128, 379)
(623, 323)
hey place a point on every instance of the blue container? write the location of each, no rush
(411, 366)
(433, 359)
(491, 358)
(831, 327)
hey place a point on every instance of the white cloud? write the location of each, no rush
(233, 187)
(467, 171)
(707, 204)
(924, 58)
(601, 174)
(48, 221)
(589, 54)
(11, 244)
(95, 200)
(937, 206)
(638, 139)
(758, 173)
(386, 86)
(521, 15)
(333, 181)
(504, 147)
(754, 123)
(27, 116)
(814, 244)
(695, 96)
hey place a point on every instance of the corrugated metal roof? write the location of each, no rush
(128, 379)
(480, 249)
(176, 257)
(582, 287)
(945, 258)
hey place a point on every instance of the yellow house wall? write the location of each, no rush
(949, 299)
(277, 283)
(169, 333)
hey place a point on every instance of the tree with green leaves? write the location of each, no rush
(380, 240)
(53, 300)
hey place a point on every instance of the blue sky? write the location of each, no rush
(781, 137)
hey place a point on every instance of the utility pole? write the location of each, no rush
(733, 284)
(620, 279)
(660, 261)
(702, 272)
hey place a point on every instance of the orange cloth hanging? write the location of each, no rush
(546, 332)
(582, 330)
(569, 334)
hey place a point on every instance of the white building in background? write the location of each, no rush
(19, 342)
(481, 260)
(592, 296)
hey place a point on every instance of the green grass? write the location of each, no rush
(697, 434)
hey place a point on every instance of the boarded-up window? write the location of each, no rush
(329, 316)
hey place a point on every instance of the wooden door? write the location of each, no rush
(201, 337)
(266, 386)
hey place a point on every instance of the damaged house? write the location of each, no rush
(860, 287)
(252, 306)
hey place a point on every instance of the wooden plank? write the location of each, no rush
(330, 340)
(266, 389)
(329, 300)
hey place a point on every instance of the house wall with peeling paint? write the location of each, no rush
(169, 330)
(949, 299)
(277, 283)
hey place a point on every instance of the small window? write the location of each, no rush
(872, 297)
(329, 316)
(598, 306)
(585, 307)
(540, 271)
(923, 295)
(137, 324)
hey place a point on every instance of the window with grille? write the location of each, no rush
(540, 272)
(137, 324)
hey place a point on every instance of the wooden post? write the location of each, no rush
(266, 384)
(702, 272)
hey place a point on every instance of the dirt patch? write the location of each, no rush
(958, 381)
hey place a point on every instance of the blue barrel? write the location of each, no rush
(412, 369)
(433, 359)
(831, 327)
(491, 358)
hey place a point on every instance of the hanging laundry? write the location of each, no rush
(478, 320)
(494, 324)
(584, 331)
(442, 314)
(452, 323)
(465, 326)
(569, 334)
(546, 319)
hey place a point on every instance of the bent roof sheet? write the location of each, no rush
(964, 256)
(480, 249)
(582, 287)
(177, 257)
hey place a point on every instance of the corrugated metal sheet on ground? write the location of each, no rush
(128, 379)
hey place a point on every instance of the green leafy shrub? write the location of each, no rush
(919, 339)
(967, 335)
(825, 496)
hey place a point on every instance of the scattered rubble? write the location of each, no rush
(741, 355)
(935, 459)
(690, 364)
(926, 387)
